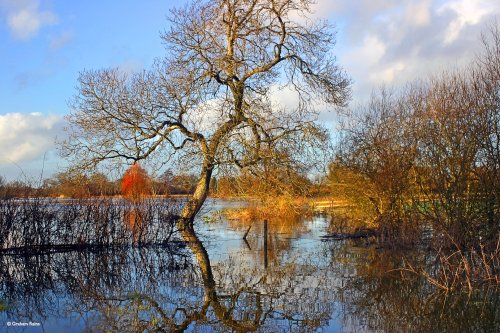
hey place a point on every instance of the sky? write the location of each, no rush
(45, 44)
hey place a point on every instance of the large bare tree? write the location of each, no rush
(210, 99)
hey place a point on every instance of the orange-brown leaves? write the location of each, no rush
(136, 182)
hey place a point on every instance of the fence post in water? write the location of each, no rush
(265, 243)
(246, 233)
(245, 238)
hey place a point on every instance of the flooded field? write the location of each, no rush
(297, 280)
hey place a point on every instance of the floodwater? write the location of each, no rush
(297, 281)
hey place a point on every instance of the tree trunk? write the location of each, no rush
(201, 255)
(195, 203)
(223, 314)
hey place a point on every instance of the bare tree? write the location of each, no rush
(210, 98)
(431, 152)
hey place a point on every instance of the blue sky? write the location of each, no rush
(44, 44)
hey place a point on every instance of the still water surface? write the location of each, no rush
(222, 283)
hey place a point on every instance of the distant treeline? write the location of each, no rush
(271, 183)
(72, 184)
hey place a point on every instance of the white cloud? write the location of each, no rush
(392, 42)
(364, 63)
(285, 97)
(419, 13)
(387, 74)
(25, 18)
(130, 67)
(61, 40)
(26, 137)
(371, 51)
(468, 12)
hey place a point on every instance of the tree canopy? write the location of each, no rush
(209, 100)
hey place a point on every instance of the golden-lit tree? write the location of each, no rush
(431, 152)
(224, 60)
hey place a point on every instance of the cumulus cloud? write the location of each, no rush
(25, 18)
(26, 137)
(391, 42)
(467, 12)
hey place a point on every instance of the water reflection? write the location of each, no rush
(281, 236)
(221, 285)
(395, 302)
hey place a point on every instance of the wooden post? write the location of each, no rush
(246, 233)
(265, 243)
(245, 238)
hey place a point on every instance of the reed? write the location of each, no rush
(30, 225)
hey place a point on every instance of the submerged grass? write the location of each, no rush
(471, 269)
(3, 305)
(463, 256)
(38, 224)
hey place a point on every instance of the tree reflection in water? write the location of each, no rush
(155, 290)
(335, 287)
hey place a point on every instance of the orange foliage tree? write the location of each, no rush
(136, 182)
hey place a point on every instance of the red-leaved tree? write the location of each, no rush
(136, 182)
